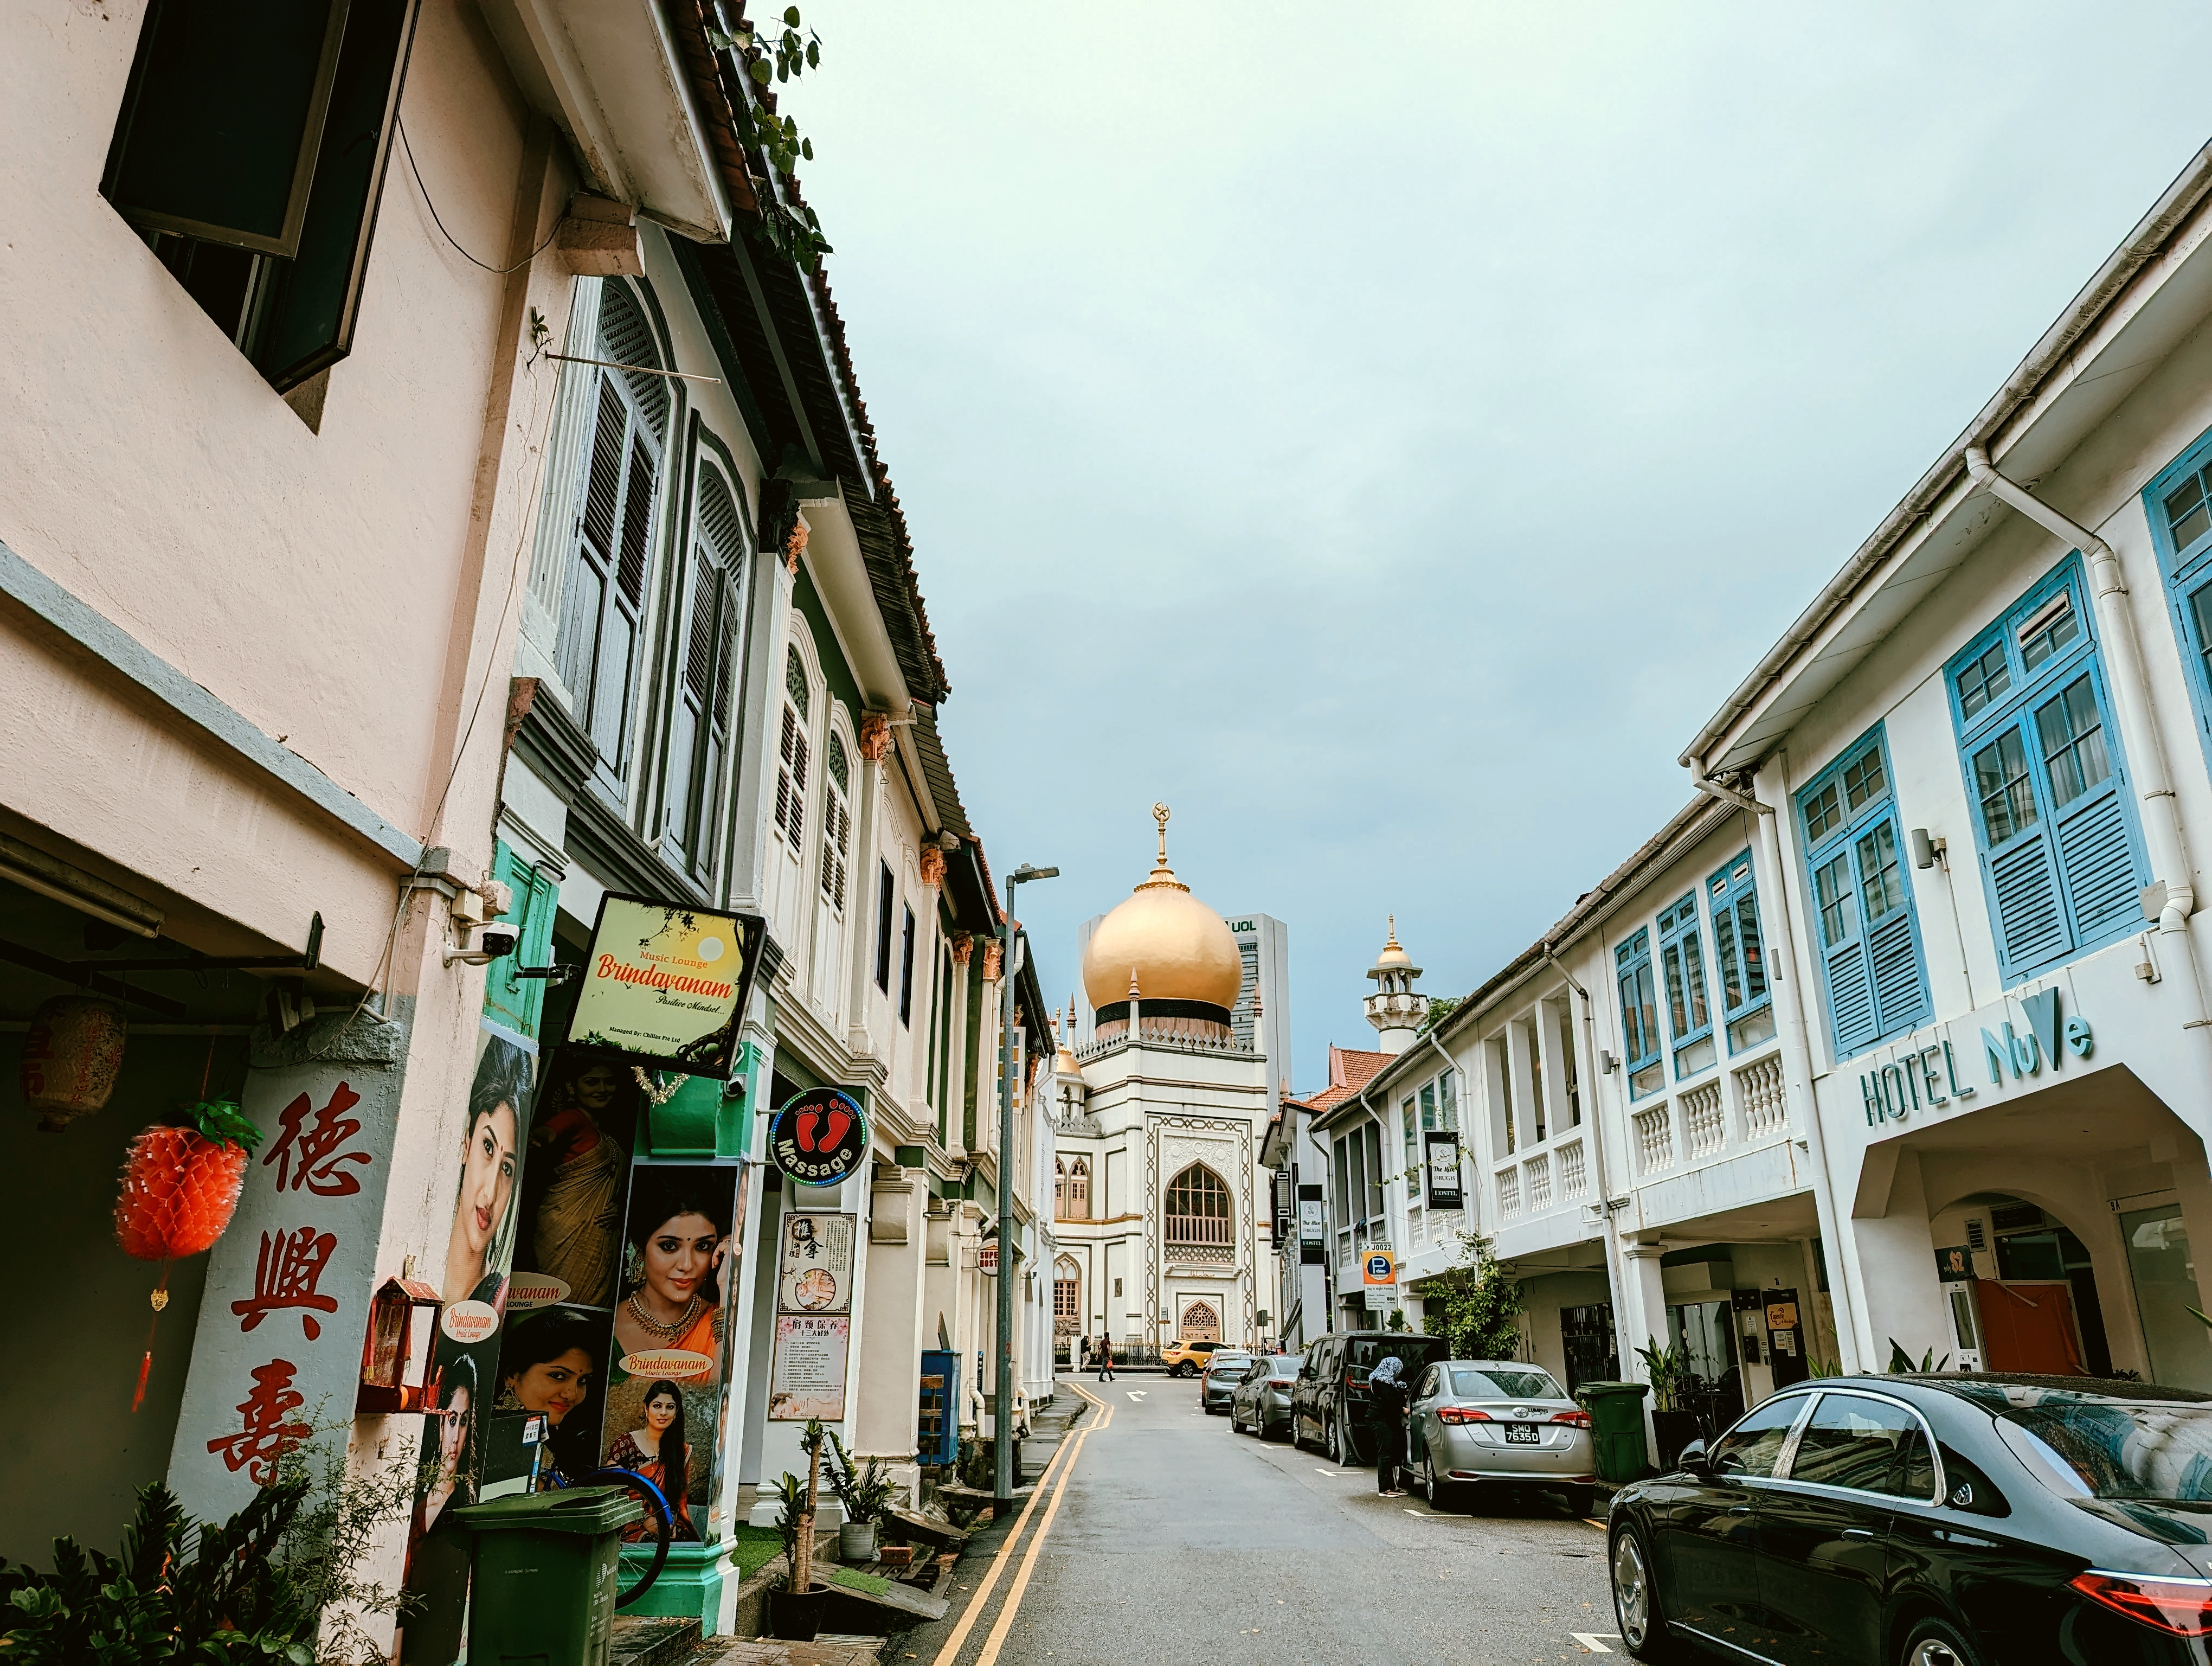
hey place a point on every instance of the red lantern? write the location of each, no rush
(72, 1054)
(180, 1187)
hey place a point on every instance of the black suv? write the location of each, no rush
(1329, 1402)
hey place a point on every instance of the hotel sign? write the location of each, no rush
(1927, 1077)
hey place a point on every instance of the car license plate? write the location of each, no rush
(1523, 1434)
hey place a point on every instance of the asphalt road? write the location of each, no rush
(1161, 1537)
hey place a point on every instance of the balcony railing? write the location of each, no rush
(1705, 1123)
(1655, 1138)
(1538, 1172)
(1509, 1191)
(1574, 1171)
(1758, 1089)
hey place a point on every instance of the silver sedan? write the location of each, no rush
(1498, 1423)
(1223, 1372)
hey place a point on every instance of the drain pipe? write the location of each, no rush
(1613, 1279)
(2162, 827)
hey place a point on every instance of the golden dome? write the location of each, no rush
(1394, 952)
(1174, 946)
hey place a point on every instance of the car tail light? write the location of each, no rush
(2180, 1607)
(1579, 1419)
(1462, 1414)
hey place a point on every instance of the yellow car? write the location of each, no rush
(1186, 1358)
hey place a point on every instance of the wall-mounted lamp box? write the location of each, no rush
(1927, 850)
(395, 1360)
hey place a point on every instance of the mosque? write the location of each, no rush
(1162, 1099)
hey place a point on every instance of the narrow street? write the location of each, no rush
(1157, 1533)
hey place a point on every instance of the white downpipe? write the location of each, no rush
(1854, 1336)
(2137, 710)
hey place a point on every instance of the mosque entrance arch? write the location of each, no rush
(1202, 1322)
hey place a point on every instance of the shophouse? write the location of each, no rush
(410, 609)
(1894, 1039)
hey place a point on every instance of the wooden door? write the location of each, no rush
(2029, 1326)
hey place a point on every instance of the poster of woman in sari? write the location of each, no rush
(671, 1353)
(465, 1357)
(578, 1172)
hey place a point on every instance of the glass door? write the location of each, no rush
(2178, 1343)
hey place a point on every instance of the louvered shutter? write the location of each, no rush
(784, 752)
(1837, 918)
(2031, 920)
(2098, 864)
(798, 828)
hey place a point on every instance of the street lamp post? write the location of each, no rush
(1002, 1490)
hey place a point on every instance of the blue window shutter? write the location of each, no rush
(1877, 981)
(1851, 994)
(2099, 862)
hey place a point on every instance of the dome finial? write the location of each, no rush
(1393, 942)
(1161, 874)
(1160, 814)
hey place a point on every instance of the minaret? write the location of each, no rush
(1394, 1009)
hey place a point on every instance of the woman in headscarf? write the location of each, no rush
(1386, 1406)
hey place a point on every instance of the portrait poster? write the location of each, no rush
(809, 1377)
(669, 1359)
(816, 1272)
(666, 983)
(575, 1179)
(553, 1363)
(465, 1355)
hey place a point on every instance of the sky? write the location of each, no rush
(1386, 435)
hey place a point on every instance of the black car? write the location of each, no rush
(1328, 1404)
(1975, 1520)
(1263, 1401)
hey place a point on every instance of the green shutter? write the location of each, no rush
(317, 297)
(222, 119)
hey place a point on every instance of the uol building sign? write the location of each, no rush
(1927, 1079)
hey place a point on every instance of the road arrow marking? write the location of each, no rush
(1134, 1394)
(1590, 1640)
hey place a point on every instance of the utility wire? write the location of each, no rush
(496, 271)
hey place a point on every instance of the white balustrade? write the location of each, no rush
(1574, 1171)
(1759, 1089)
(1509, 1191)
(1538, 1172)
(1705, 1124)
(1655, 1138)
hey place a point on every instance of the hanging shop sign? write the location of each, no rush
(986, 1260)
(1954, 1262)
(1441, 1148)
(1313, 1225)
(1378, 1268)
(815, 1274)
(1927, 1077)
(818, 1137)
(666, 984)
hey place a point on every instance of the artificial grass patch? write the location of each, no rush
(753, 1548)
(859, 1581)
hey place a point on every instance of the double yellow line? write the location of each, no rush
(1054, 1481)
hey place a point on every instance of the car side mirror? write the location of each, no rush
(1694, 1459)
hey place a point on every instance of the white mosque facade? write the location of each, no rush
(1163, 1211)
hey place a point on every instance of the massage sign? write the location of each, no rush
(665, 985)
(819, 1136)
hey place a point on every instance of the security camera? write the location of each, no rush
(491, 947)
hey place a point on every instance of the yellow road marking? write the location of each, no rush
(997, 1639)
(951, 1651)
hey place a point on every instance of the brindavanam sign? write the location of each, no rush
(666, 984)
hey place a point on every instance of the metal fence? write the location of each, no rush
(1125, 1354)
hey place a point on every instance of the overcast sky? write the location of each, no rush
(1386, 434)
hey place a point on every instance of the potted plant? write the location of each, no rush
(795, 1610)
(1672, 1424)
(864, 1492)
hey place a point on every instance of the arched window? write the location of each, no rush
(1058, 1187)
(699, 722)
(836, 823)
(792, 752)
(1198, 1213)
(603, 596)
(1066, 1308)
(1202, 1322)
(1078, 1190)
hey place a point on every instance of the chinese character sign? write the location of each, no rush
(817, 1271)
(276, 1354)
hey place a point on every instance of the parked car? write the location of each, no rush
(1186, 1358)
(1993, 1520)
(1225, 1370)
(1328, 1403)
(1497, 1424)
(1261, 1403)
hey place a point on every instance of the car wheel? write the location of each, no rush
(1938, 1643)
(1443, 1495)
(1636, 1608)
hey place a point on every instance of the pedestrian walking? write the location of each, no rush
(1105, 1359)
(1386, 1407)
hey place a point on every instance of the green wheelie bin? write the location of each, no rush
(546, 1566)
(1616, 1412)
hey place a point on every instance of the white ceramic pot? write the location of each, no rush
(856, 1542)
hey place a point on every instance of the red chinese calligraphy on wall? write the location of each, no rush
(309, 1155)
(287, 1276)
(267, 1434)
